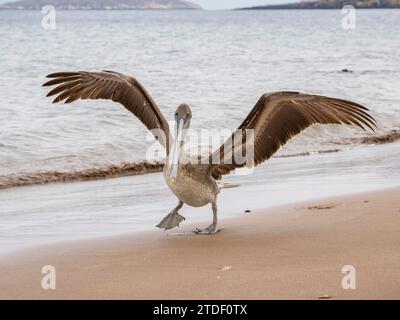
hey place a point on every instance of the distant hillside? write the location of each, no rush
(332, 4)
(100, 4)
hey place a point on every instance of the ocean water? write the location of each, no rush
(219, 62)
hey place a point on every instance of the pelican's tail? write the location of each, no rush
(225, 185)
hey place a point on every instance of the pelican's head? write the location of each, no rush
(183, 115)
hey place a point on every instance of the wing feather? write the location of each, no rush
(111, 85)
(279, 116)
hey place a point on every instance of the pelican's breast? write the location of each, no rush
(192, 186)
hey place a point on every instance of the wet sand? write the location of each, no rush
(288, 252)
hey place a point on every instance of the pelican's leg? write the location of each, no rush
(173, 219)
(213, 227)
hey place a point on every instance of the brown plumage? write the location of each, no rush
(275, 119)
(279, 116)
(114, 86)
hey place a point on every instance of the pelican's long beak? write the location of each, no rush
(177, 147)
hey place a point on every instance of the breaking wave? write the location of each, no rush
(106, 172)
(392, 136)
(389, 137)
(133, 169)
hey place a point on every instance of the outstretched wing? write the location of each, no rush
(126, 90)
(279, 116)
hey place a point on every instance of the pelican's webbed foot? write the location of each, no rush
(212, 229)
(172, 220)
(209, 230)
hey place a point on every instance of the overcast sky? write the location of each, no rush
(224, 4)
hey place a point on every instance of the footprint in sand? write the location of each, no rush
(323, 206)
(320, 207)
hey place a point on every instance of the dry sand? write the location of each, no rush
(292, 252)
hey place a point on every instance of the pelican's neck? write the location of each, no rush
(177, 153)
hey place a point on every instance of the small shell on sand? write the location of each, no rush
(226, 268)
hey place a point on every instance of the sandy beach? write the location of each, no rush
(287, 252)
(81, 183)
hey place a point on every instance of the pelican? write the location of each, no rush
(275, 119)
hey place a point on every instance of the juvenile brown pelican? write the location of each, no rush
(275, 119)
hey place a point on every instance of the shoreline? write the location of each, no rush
(185, 229)
(128, 169)
(295, 251)
(91, 209)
